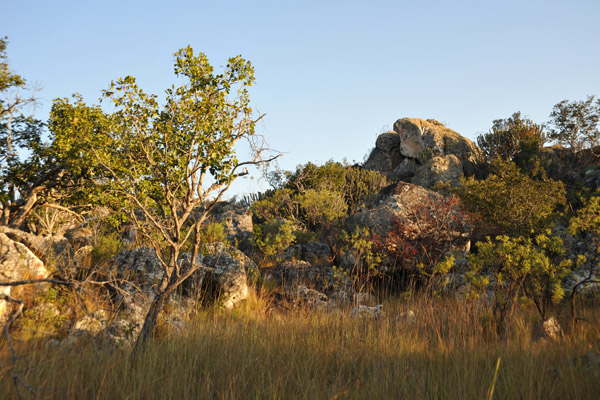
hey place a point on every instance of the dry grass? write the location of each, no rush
(449, 352)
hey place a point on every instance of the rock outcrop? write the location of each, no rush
(17, 263)
(423, 152)
(401, 202)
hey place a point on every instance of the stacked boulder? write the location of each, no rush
(424, 153)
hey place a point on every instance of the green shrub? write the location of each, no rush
(106, 247)
(513, 202)
(274, 237)
(213, 232)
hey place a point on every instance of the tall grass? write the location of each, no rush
(450, 351)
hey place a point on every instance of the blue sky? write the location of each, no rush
(330, 75)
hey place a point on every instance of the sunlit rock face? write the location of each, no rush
(422, 152)
(17, 263)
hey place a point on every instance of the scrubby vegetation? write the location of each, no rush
(140, 281)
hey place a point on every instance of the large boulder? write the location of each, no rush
(398, 201)
(424, 153)
(17, 263)
(439, 169)
(238, 227)
(224, 275)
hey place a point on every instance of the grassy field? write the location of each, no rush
(450, 351)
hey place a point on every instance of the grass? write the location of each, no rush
(451, 351)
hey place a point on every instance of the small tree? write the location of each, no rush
(575, 123)
(586, 225)
(170, 163)
(515, 267)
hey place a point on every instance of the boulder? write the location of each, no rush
(223, 277)
(439, 169)
(386, 154)
(228, 278)
(307, 297)
(17, 263)
(421, 139)
(316, 253)
(138, 265)
(374, 312)
(294, 273)
(424, 153)
(237, 222)
(397, 201)
(405, 170)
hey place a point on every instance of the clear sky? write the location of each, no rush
(330, 75)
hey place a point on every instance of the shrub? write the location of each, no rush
(315, 198)
(106, 247)
(509, 137)
(421, 245)
(273, 238)
(511, 201)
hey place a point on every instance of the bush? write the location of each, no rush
(422, 245)
(512, 202)
(511, 139)
(106, 247)
(314, 198)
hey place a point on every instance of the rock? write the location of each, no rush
(589, 362)
(439, 169)
(398, 201)
(405, 170)
(343, 297)
(237, 222)
(230, 278)
(388, 142)
(17, 263)
(41, 246)
(138, 265)
(374, 312)
(425, 150)
(224, 275)
(419, 139)
(294, 273)
(89, 325)
(547, 329)
(307, 297)
(316, 253)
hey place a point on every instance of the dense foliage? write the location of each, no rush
(511, 139)
(312, 201)
(512, 202)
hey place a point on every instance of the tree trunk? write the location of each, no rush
(149, 322)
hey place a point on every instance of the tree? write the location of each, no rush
(509, 138)
(171, 162)
(511, 267)
(34, 172)
(575, 123)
